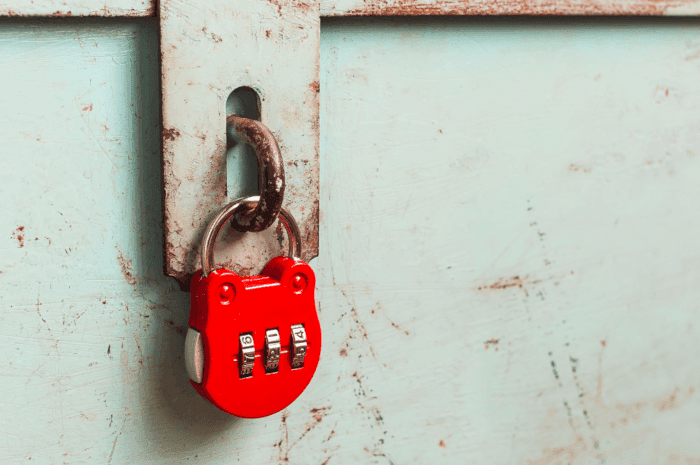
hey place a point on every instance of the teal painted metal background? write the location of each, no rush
(508, 268)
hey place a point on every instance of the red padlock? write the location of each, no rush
(253, 343)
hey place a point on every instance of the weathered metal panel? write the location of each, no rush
(208, 50)
(508, 268)
(509, 7)
(130, 8)
(64, 8)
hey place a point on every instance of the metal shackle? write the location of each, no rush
(270, 174)
(250, 203)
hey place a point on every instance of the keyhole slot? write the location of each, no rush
(241, 162)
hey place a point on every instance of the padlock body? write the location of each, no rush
(225, 306)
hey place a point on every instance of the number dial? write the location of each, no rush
(246, 357)
(273, 349)
(298, 346)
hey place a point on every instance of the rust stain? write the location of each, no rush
(513, 7)
(309, 234)
(361, 390)
(393, 324)
(363, 330)
(505, 283)
(694, 56)
(178, 329)
(105, 11)
(362, 396)
(131, 12)
(298, 5)
(669, 403)
(170, 258)
(343, 352)
(88, 108)
(556, 454)
(317, 415)
(282, 456)
(442, 443)
(211, 35)
(405, 331)
(575, 167)
(244, 272)
(126, 268)
(39, 304)
(215, 182)
(634, 415)
(170, 134)
(623, 420)
(315, 86)
(18, 234)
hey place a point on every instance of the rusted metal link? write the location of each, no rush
(271, 174)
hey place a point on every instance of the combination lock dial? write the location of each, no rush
(253, 343)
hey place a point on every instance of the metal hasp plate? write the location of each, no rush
(208, 50)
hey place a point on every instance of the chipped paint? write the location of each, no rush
(126, 269)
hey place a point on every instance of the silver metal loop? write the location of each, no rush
(270, 174)
(250, 204)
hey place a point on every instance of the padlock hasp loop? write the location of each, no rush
(249, 203)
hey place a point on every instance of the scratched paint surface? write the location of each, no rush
(517, 200)
(509, 7)
(507, 272)
(63, 8)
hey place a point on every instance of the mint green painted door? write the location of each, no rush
(508, 268)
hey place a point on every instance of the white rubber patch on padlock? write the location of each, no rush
(194, 355)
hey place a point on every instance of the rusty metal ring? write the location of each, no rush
(215, 225)
(271, 174)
